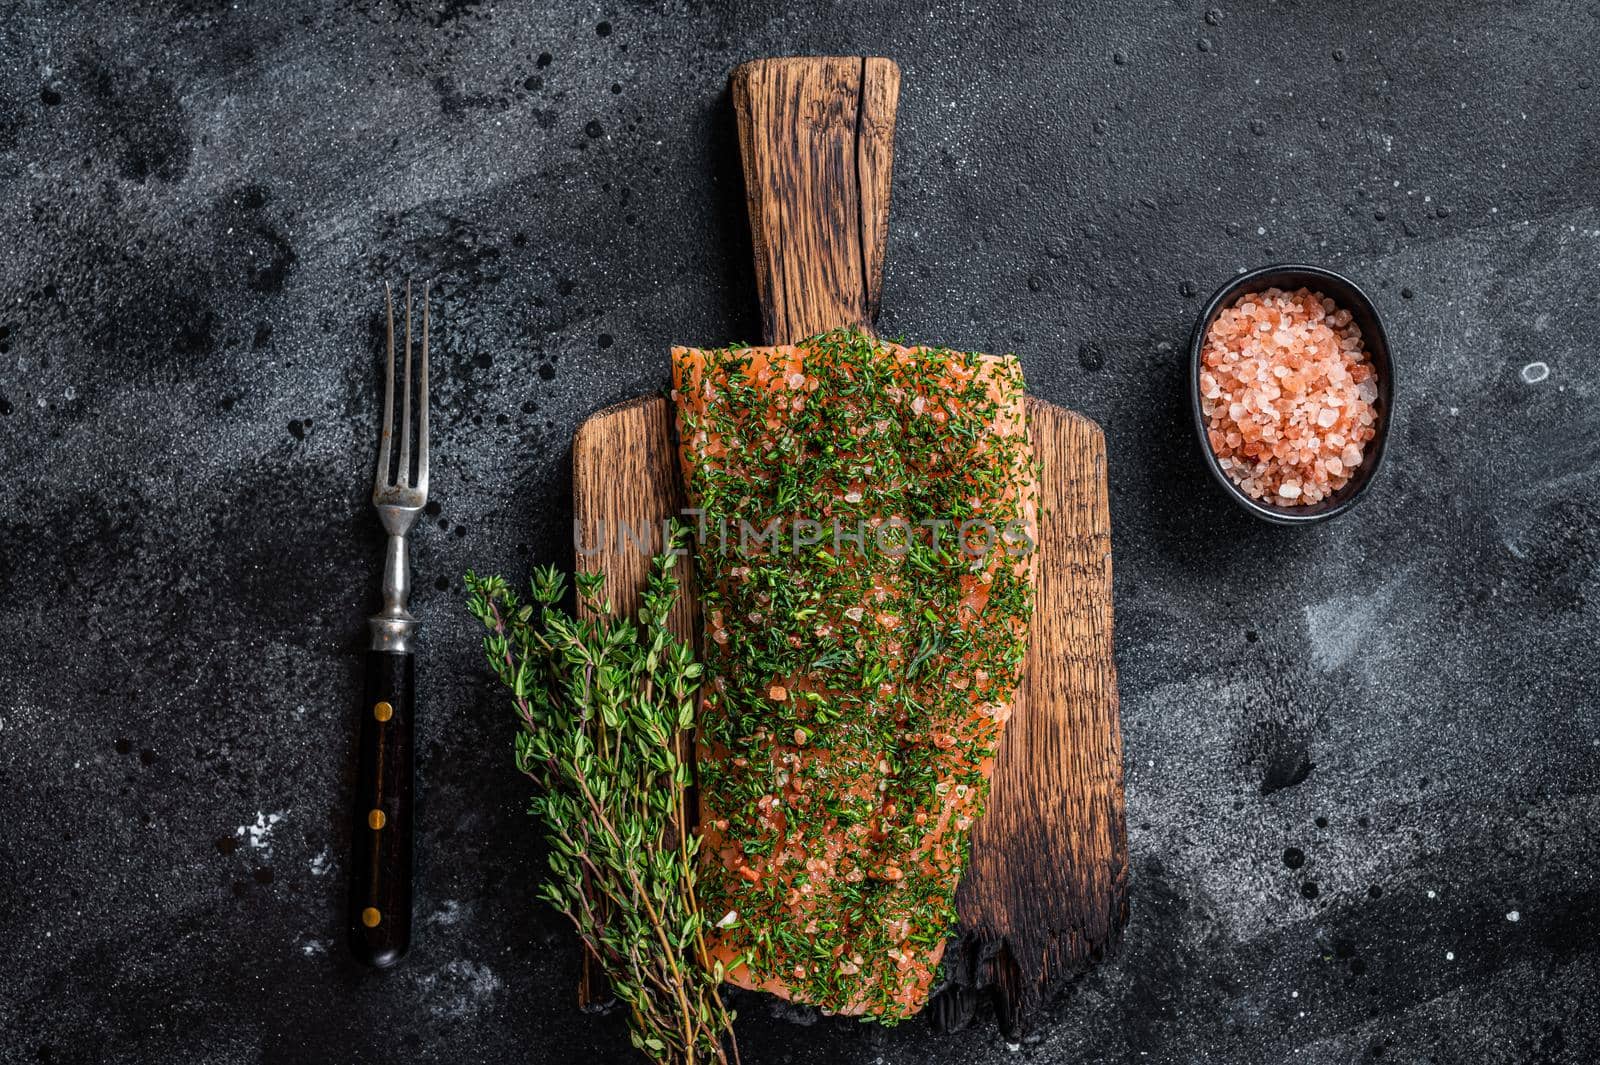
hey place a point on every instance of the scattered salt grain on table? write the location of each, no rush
(1287, 391)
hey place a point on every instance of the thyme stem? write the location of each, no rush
(600, 703)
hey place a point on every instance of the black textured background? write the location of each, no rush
(1361, 758)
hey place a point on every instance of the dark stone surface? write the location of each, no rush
(1362, 758)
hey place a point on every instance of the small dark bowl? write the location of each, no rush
(1346, 294)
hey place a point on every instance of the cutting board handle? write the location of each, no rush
(817, 138)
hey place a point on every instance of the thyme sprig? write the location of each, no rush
(599, 701)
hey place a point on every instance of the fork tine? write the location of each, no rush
(422, 389)
(387, 433)
(403, 474)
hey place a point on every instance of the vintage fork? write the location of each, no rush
(381, 858)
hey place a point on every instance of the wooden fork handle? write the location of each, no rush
(381, 843)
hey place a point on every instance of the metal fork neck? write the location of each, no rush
(393, 626)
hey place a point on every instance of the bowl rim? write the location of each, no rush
(1378, 349)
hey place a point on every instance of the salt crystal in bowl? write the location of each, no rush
(1281, 500)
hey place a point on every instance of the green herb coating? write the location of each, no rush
(857, 684)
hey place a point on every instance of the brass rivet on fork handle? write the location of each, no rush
(381, 821)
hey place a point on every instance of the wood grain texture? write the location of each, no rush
(626, 484)
(1045, 892)
(817, 139)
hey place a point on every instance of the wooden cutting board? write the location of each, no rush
(1045, 892)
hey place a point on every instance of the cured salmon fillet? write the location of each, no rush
(867, 513)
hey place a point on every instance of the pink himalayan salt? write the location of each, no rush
(1287, 391)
